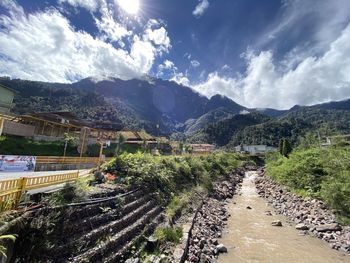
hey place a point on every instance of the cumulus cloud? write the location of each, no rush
(45, 46)
(313, 80)
(109, 28)
(200, 9)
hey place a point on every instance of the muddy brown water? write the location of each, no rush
(250, 237)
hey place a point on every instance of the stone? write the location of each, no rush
(276, 223)
(221, 248)
(268, 213)
(248, 207)
(152, 243)
(301, 226)
(328, 227)
(133, 260)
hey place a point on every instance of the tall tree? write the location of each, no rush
(287, 148)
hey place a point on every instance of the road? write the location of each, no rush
(13, 175)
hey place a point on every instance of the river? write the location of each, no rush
(250, 237)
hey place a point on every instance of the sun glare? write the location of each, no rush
(130, 6)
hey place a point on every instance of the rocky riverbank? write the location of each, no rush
(311, 216)
(210, 221)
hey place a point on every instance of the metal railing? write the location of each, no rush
(68, 160)
(11, 190)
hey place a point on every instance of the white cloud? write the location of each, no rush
(313, 80)
(201, 8)
(44, 46)
(159, 37)
(181, 78)
(109, 27)
(90, 5)
(195, 63)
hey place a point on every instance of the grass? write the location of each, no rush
(13, 145)
(167, 175)
(169, 234)
(322, 173)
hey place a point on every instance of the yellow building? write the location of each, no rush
(6, 99)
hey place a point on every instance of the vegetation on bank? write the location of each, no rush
(322, 173)
(170, 175)
(13, 145)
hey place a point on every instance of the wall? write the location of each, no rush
(6, 99)
(15, 128)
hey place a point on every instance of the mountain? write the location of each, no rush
(324, 119)
(220, 132)
(164, 107)
(136, 103)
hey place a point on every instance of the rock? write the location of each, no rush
(268, 213)
(328, 227)
(301, 226)
(151, 244)
(276, 223)
(133, 260)
(248, 207)
(221, 248)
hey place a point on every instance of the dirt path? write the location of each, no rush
(250, 237)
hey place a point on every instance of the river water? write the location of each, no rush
(250, 237)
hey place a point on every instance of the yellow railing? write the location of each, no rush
(11, 190)
(67, 160)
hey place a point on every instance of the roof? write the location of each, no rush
(9, 89)
(202, 145)
(135, 135)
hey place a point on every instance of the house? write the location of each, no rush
(255, 149)
(6, 99)
(137, 137)
(202, 148)
(331, 140)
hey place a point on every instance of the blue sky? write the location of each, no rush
(274, 53)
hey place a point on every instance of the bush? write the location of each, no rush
(168, 234)
(167, 174)
(319, 173)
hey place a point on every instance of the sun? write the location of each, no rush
(130, 6)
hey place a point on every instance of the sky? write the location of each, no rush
(265, 54)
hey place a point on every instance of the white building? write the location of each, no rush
(255, 149)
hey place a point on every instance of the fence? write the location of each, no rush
(68, 160)
(11, 190)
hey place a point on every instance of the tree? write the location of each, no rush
(67, 140)
(287, 148)
(120, 142)
(280, 146)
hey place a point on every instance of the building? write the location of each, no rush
(331, 140)
(135, 137)
(6, 99)
(255, 149)
(202, 148)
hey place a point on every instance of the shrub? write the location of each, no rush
(168, 234)
(316, 172)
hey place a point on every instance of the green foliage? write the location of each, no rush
(22, 146)
(176, 205)
(295, 124)
(316, 172)
(221, 132)
(3, 239)
(71, 192)
(168, 234)
(287, 148)
(167, 174)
